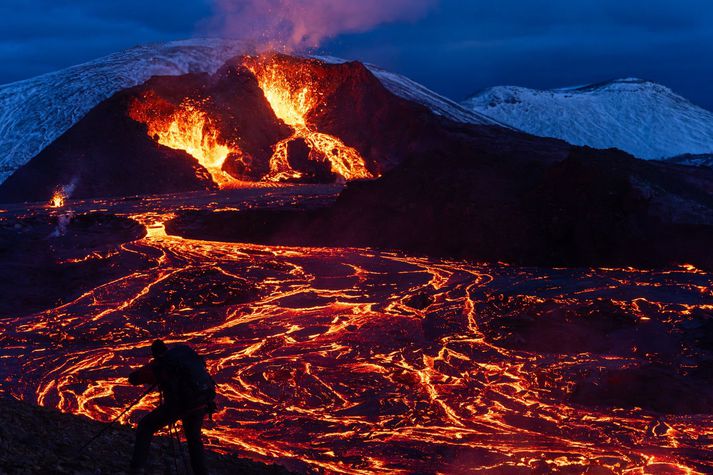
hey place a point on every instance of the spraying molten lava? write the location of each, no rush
(57, 200)
(293, 100)
(187, 128)
(293, 92)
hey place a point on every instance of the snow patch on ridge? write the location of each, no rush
(704, 160)
(36, 111)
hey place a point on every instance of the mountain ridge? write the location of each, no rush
(638, 116)
(35, 112)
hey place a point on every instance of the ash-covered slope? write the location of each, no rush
(39, 440)
(643, 118)
(35, 112)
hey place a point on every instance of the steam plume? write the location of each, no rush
(68, 189)
(295, 25)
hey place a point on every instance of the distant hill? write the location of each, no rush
(640, 117)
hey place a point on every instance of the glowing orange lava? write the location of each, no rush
(189, 129)
(57, 200)
(292, 101)
(362, 362)
(292, 97)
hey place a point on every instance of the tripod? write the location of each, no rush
(174, 435)
(110, 424)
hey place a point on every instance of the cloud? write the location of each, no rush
(303, 24)
(454, 46)
(464, 46)
(39, 36)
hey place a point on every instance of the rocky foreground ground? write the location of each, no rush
(37, 440)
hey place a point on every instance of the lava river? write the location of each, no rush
(357, 361)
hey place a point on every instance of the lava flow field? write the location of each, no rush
(357, 361)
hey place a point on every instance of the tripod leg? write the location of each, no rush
(180, 448)
(148, 426)
(173, 448)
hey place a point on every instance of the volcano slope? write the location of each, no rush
(492, 194)
(448, 189)
(46, 441)
(267, 118)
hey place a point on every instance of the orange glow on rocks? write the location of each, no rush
(292, 101)
(325, 350)
(57, 200)
(291, 89)
(188, 128)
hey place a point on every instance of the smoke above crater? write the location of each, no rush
(295, 25)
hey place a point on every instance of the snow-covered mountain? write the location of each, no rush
(35, 112)
(643, 118)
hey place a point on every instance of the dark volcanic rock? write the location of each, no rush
(649, 387)
(196, 289)
(500, 201)
(244, 116)
(105, 154)
(493, 194)
(556, 326)
(46, 260)
(313, 167)
(553, 327)
(37, 440)
(248, 226)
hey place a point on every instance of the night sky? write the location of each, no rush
(455, 47)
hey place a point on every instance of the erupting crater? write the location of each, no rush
(293, 91)
(57, 200)
(204, 125)
(258, 119)
(186, 127)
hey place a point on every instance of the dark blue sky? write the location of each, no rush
(459, 47)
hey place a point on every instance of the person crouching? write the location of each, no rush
(187, 394)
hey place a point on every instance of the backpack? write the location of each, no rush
(185, 379)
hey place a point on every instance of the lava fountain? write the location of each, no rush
(186, 128)
(57, 200)
(293, 93)
(292, 89)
